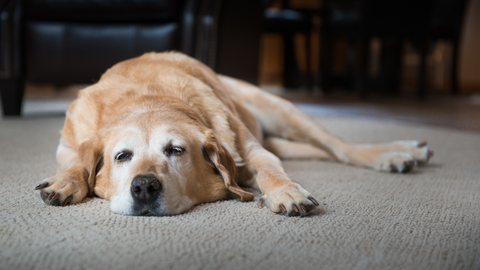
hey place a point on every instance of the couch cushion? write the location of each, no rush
(81, 53)
(103, 10)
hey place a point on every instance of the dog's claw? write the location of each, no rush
(408, 166)
(313, 201)
(55, 196)
(304, 210)
(422, 144)
(67, 200)
(50, 196)
(430, 154)
(295, 208)
(282, 207)
(393, 168)
(260, 202)
(42, 185)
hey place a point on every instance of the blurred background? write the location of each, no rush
(409, 60)
(374, 47)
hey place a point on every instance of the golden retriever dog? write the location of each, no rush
(161, 133)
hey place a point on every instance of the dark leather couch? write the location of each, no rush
(75, 41)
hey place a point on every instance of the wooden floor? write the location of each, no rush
(456, 112)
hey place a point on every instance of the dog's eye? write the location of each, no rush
(124, 156)
(174, 151)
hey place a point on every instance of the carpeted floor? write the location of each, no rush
(428, 219)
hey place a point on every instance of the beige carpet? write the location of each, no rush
(428, 219)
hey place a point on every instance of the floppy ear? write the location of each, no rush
(91, 154)
(219, 158)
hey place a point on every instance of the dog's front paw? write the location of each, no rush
(290, 199)
(61, 190)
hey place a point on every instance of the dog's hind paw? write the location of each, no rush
(423, 153)
(61, 190)
(398, 156)
(395, 162)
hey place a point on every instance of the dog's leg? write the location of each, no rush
(290, 123)
(69, 186)
(281, 195)
(283, 119)
(286, 149)
(280, 118)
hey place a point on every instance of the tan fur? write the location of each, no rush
(144, 104)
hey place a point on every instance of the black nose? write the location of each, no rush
(145, 188)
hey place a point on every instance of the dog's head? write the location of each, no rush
(159, 161)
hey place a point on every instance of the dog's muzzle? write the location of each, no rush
(145, 189)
